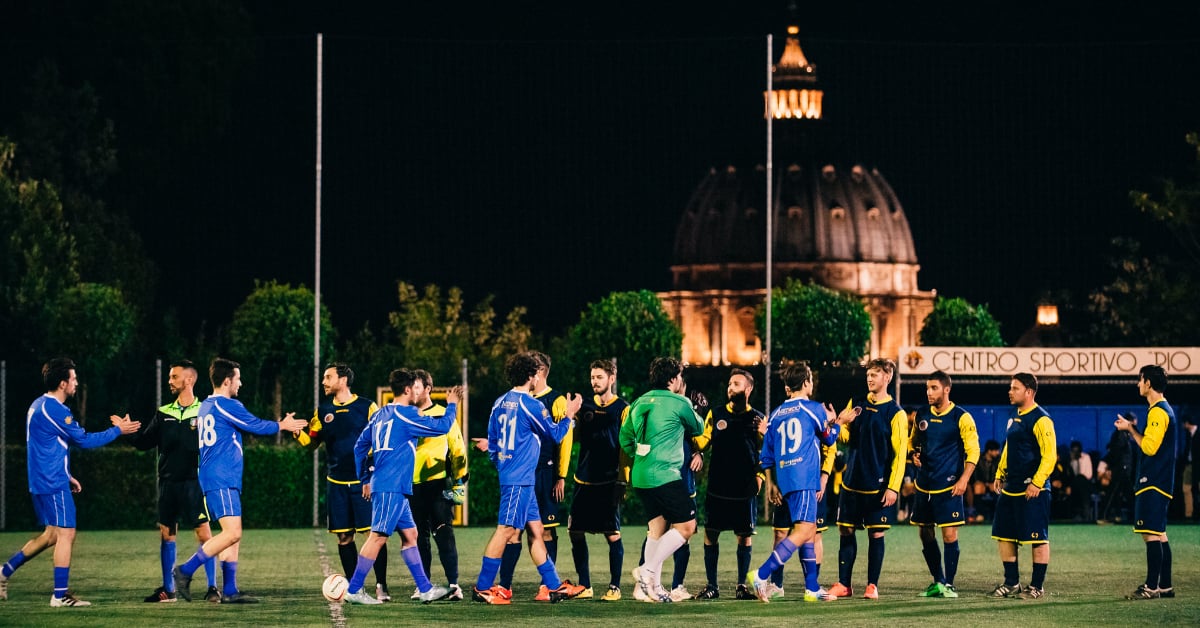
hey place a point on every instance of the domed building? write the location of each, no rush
(838, 223)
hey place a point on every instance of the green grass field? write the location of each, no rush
(1091, 568)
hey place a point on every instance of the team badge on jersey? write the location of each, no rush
(67, 420)
(328, 418)
(923, 425)
(722, 424)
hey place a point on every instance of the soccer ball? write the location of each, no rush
(334, 588)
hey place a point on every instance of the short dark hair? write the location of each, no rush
(220, 370)
(56, 371)
(991, 445)
(185, 364)
(1027, 380)
(343, 370)
(743, 373)
(425, 377)
(542, 358)
(941, 377)
(1156, 376)
(400, 379)
(794, 375)
(663, 370)
(520, 367)
(883, 364)
(604, 364)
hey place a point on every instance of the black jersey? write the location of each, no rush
(338, 426)
(735, 443)
(597, 427)
(173, 432)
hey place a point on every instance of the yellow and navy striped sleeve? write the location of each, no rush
(1043, 430)
(308, 436)
(1157, 422)
(900, 446)
(970, 437)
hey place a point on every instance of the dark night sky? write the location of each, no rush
(544, 154)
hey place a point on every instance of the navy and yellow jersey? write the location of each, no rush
(1156, 466)
(439, 457)
(876, 446)
(556, 455)
(946, 442)
(338, 426)
(173, 432)
(597, 430)
(1029, 452)
(734, 444)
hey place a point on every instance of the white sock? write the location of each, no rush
(666, 546)
(651, 549)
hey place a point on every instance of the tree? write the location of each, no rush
(633, 327)
(93, 324)
(272, 337)
(957, 323)
(815, 323)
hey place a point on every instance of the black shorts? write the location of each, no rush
(864, 510)
(738, 515)
(941, 509)
(181, 501)
(543, 489)
(593, 510)
(670, 501)
(431, 510)
(348, 511)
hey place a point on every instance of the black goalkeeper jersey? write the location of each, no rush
(734, 443)
(173, 432)
(597, 428)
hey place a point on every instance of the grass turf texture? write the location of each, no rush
(1091, 569)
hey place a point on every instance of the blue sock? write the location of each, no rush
(875, 550)
(549, 574)
(13, 563)
(579, 553)
(616, 557)
(847, 554)
(933, 559)
(808, 558)
(487, 573)
(229, 577)
(683, 556)
(951, 552)
(166, 559)
(743, 562)
(508, 564)
(210, 570)
(360, 573)
(61, 576)
(193, 563)
(412, 558)
(777, 577)
(779, 556)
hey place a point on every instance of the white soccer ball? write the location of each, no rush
(334, 588)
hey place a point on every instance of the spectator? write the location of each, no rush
(1061, 479)
(1082, 481)
(981, 499)
(1119, 461)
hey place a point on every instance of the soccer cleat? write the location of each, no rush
(710, 592)
(183, 584)
(382, 594)
(933, 590)
(1032, 593)
(680, 593)
(416, 594)
(840, 590)
(361, 598)
(160, 595)
(1167, 593)
(238, 598)
(1004, 590)
(3, 587)
(743, 592)
(612, 594)
(503, 592)
(456, 594)
(543, 594)
(68, 599)
(565, 591)
(639, 594)
(660, 595)
(820, 595)
(586, 594)
(872, 592)
(948, 591)
(491, 596)
(1144, 592)
(212, 596)
(435, 593)
(763, 589)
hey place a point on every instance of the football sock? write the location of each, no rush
(933, 559)
(642, 553)
(875, 549)
(1012, 575)
(348, 554)
(13, 563)
(61, 576)
(360, 574)
(779, 556)
(487, 573)
(1038, 579)
(229, 577)
(579, 553)
(616, 557)
(683, 556)
(447, 552)
(1164, 576)
(381, 565)
(552, 545)
(777, 576)
(508, 563)
(743, 562)
(808, 558)
(951, 552)
(210, 570)
(188, 568)
(1154, 556)
(847, 554)
(549, 575)
(412, 558)
(712, 553)
(166, 559)
(648, 550)
(425, 550)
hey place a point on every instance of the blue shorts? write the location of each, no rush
(1150, 512)
(941, 509)
(224, 502)
(55, 509)
(390, 511)
(348, 511)
(544, 489)
(864, 510)
(782, 518)
(802, 506)
(517, 506)
(1020, 520)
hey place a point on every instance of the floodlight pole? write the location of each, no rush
(770, 209)
(317, 277)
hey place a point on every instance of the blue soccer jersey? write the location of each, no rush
(792, 444)
(220, 426)
(391, 440)
(49, 431)
(516, 428)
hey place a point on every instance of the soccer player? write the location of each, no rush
(439, 481)
(877, 446)
(945, 448)
(791, 454)
(1156, 477)
(516, 425)
(337, 423)
(390, 439)
(653, 437)
(601, 475)
(1023, 484)
(219, 426)
(731, 434)
(49, 430)
(173, 431)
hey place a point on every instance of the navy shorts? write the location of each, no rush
(223, 502)
(941, 509)
(738, 515)
(181, 501)
(543, 487)
(55, 509)
(1150, 512)
(1020, 520)
(593, 510)
(864, 510)
(390, 511)
(348, 511)
(670, 501)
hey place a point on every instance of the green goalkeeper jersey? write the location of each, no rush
(653, 434)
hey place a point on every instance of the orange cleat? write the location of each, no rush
(491, 596)
(840, 590)
(543, 594)
(872, 592)
(566, 591)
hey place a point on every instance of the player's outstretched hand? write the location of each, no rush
(455, 394)
(574, 403)
(127, 426)
(848, 415)
(480, 444)
(291, 424)
(76, 487)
